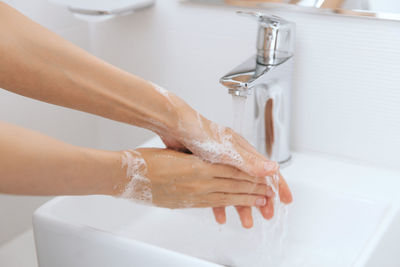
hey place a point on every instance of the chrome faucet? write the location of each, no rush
(268, 74)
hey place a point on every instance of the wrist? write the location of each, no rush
(174, 116)
(192, 124)
(107, 175)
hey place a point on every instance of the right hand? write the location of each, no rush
(172, 179)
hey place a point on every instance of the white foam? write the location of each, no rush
(215, 149)
(138, 188)
(164, 92)
(219, 149)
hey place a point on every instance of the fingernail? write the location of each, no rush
(248, 223)
(270, 166)
(261, 201)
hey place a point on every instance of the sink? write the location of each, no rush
(338, 218)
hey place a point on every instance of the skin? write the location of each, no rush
(64, 169)
(37, 63)
(179, 180)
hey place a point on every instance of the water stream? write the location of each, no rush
(273, 232)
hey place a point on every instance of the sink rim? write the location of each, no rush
(43, 213)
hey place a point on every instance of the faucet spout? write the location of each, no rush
(267, 77)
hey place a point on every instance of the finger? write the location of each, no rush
(227, 199)
(255, 165)
(262, 166)
(250, 161)
(284, 191)
(219, 214)
(227, 185)
(267, 211)
(245, 216)
(226, 171)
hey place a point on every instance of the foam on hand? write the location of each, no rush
(139, 187)
(219, 148)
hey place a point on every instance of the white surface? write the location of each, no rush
(338, 218)
(19, 252)
(390, 6)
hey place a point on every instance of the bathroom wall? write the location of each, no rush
(67, 125)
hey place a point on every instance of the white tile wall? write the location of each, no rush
(347, 88)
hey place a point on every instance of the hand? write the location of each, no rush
(172, 179)
(222, 145)
(218, 144)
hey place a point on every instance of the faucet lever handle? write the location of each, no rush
(275, 38)
(265, 19)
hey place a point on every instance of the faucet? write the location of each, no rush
(268, 74)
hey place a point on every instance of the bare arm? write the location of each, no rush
(39, 64)
(34, 164)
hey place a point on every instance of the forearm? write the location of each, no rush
(39, 64)
(34, 164)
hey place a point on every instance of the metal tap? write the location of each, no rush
(267, 76)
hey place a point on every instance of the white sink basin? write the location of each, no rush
(338, 218)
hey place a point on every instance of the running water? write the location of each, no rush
(274, 230)
(239, 107)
